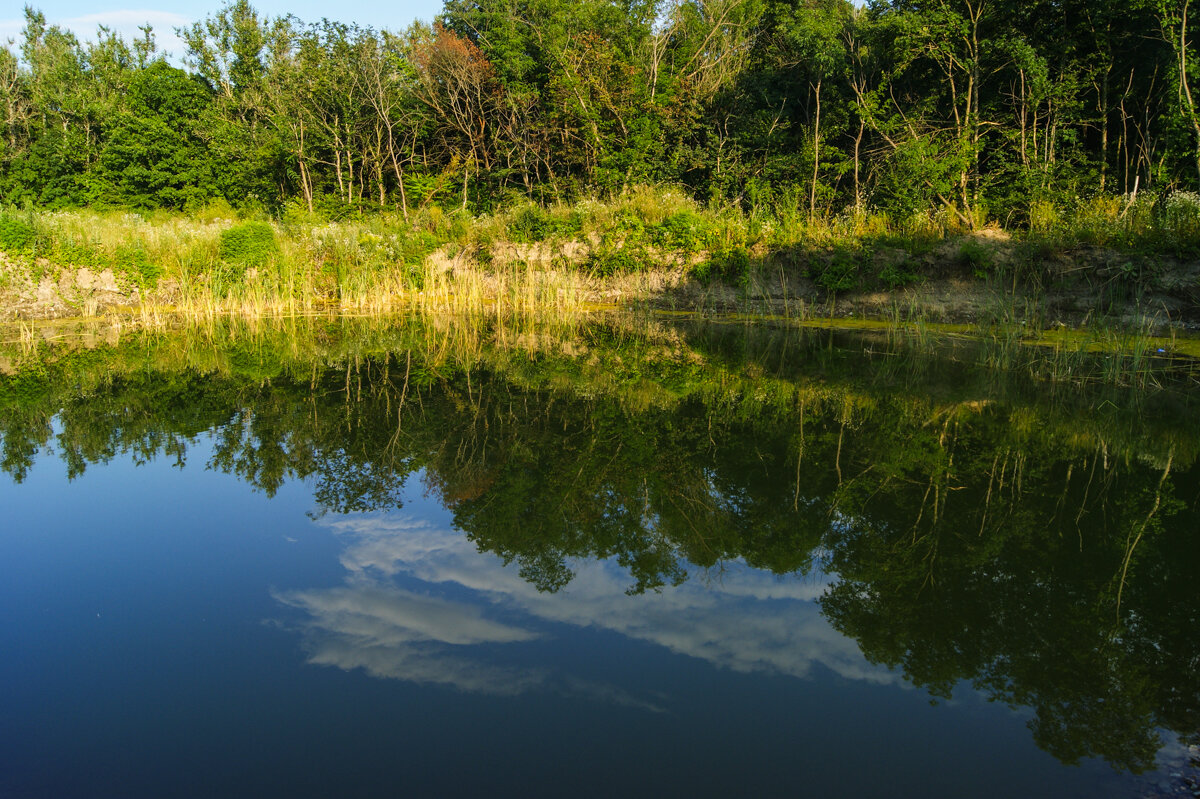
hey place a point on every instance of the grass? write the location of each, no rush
(550, 258)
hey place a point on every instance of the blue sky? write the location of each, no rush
(82, 16)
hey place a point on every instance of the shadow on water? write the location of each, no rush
(1036, 539)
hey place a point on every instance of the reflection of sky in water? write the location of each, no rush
(740, 618)
(133, 602)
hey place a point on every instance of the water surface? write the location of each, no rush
(361, 558)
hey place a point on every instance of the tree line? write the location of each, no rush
(976, 109)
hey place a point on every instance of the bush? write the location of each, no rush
(606, 261)
(897, 274)
(1043, 216)
(730, 265)
(840, 273)
(132, 261)
(1179, 219)
(70, 251)
(530, 223)
(683, 231)
(977, 257)
(250, 244)
(415, 248)
(16, 237)
(216, 210)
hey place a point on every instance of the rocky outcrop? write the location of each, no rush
(44, 291)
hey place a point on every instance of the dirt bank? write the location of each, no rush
(42, 290)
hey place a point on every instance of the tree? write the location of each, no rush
(153, 155)
(462, 91)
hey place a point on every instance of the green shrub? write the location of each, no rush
(333, 208)
(629, 223)
(132, 261)
(977, 257)
(414, 249)
(730, 265)
(683, 231)
(16, 236)
(414, 276)
(72, 252)
(897, 274)
(840, 273)
(250, 244)
(530, 223)
(607, 260)
(484, 256)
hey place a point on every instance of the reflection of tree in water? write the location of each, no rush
(1018, 595)
(1044, 553)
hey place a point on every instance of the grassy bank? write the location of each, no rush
(1113, 257)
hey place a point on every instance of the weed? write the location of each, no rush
(977, 257)
(608, 260)
(133, 262)
(250, 244)
(898, 273)
(730, 265)
(838, 274)
(529, 223)
(683, 232)
(16, 236)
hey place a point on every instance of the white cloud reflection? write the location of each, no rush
(387, 616)
(740, 619)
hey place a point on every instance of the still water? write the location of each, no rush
(369, 559)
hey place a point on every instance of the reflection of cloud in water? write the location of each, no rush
(417, 664)
(745, 620)
(397, 634)
(387, 616)
(405, 636)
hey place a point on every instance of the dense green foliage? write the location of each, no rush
(250, 244)
(970, 109)
(16, 235)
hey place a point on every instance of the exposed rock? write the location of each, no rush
(47, 292)
(65, 292)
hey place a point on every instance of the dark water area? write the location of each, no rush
(401, 558)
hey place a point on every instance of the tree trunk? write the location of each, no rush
(466, 174)
(1185, 90)
(400, 184)
(812, 195)
(1104, 128)
(857, 146)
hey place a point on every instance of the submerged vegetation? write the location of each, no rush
(964, 516)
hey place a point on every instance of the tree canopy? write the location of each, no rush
(977, 108)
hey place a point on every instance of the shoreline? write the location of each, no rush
(1165, 344)
(81, 293)
(984, 279)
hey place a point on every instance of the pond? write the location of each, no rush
(449, 557)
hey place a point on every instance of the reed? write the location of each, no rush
(530, 259)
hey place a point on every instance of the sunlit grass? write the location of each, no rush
(561, 259)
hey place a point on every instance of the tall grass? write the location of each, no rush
(1147, 222)
(531, 258)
